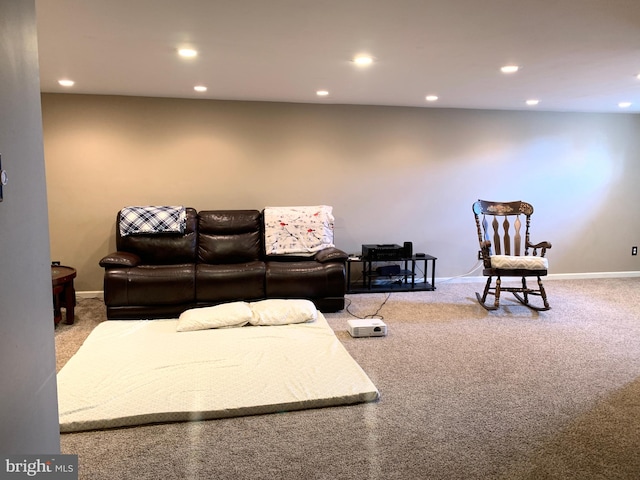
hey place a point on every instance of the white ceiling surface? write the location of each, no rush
(575, 55)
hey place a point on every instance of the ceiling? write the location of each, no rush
(575, 55)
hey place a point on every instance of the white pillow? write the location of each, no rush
(235, 314)
(282, 312)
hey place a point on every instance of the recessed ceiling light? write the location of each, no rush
(532, 102)
(322, 93)
(510, 69)
(200, 88)
(431, 98)
(187, 52)
(624, 104)
(66, 83)
(362, 60)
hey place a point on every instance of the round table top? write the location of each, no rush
(62, 274)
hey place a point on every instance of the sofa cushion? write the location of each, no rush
(150, 285)
(224, 283)
(229, 236)
(308, 279)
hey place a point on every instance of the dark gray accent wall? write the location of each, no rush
(28, 397)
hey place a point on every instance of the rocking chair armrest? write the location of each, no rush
(485, 248)
(543, 246)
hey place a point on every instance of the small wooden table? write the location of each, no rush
(64, 295)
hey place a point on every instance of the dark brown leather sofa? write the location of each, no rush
(219, 258)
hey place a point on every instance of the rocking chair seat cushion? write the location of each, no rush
(513, 262)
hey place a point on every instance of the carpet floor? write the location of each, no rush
(465, 394)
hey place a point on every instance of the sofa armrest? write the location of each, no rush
(120, 259)
(331, 254)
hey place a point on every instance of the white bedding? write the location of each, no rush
(298, 230)
(137, 372)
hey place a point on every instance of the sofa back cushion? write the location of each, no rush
(162, 248)
(229, 236)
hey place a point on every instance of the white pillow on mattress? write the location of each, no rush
(282, 312)
(234, 314)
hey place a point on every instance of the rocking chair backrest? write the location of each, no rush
(500, 223)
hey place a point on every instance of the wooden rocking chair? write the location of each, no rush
(501, 247)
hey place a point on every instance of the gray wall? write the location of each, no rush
(392, 174)
(28, 404)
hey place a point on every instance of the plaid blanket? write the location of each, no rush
(135, 220)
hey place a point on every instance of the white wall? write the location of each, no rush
(28, 403)
(392, 174)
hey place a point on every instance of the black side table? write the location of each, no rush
(64, 295)
(402, 281)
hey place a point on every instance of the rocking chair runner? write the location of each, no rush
(499, 228)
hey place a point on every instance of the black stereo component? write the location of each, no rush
(388, 270)
(389, 251)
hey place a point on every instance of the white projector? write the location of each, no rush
(367, 328)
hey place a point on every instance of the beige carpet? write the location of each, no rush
(465, 394)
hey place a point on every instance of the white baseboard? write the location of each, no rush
(580, 276)
(551, 276)
(91, 294)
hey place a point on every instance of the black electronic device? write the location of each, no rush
(387, 251)
(389, 270)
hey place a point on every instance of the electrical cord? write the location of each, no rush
(473, 269)
(377, 315)
(371, 316)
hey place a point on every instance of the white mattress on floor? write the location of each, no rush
(136, 372)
